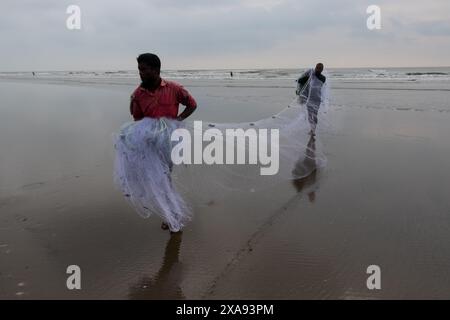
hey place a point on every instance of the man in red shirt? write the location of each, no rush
(156, 97)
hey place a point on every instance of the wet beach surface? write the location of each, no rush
(382, 200)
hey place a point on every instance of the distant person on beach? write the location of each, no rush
(309, 90)
(231, 74)
(159, 99)
(33, 74)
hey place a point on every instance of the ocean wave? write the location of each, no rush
(343, 74)
(426, 73)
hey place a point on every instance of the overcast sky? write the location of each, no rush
(191, 34)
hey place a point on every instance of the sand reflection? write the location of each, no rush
(166, 283)
(307, 165)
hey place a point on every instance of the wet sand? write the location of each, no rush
(382, 199)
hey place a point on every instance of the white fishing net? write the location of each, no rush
(313, 92)
(220, 158)
(142, 170)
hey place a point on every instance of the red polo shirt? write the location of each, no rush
(163, 102)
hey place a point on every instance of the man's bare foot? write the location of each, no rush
(164, 226)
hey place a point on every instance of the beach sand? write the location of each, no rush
(383, 199)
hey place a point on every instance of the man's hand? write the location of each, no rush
(186, 113)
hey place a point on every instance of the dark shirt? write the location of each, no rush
(304, 79)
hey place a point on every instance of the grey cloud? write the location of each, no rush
(34, 35)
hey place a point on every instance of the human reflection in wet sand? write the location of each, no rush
(307, 166)
(166, 283)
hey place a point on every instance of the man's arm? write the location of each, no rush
(135, 110)
(187, 100)
(186, 113)
(304, 78)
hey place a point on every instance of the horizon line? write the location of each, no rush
(224, 69)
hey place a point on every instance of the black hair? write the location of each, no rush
(150, 60)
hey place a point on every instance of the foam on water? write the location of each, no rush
(346, 74)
